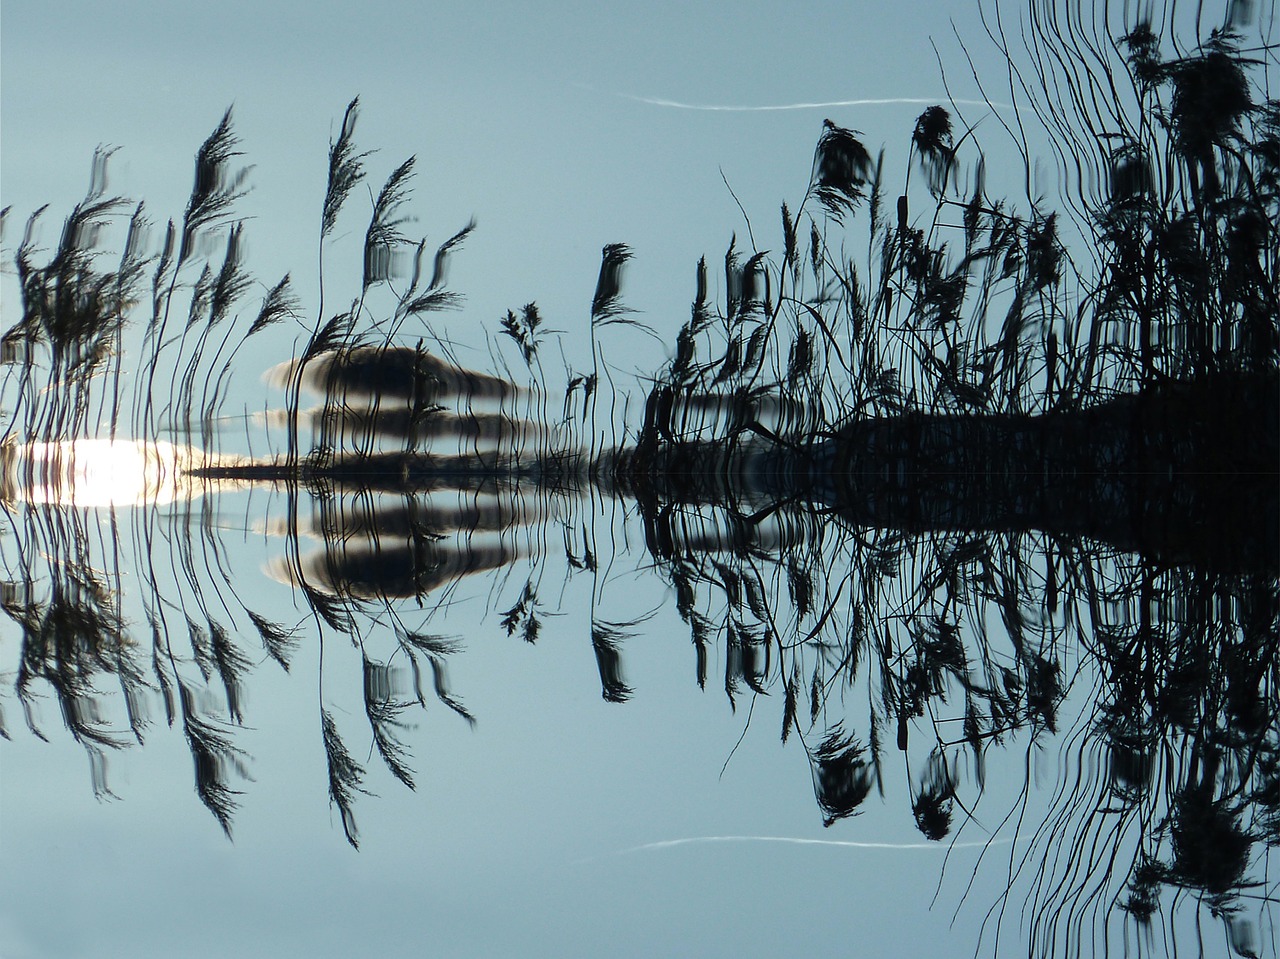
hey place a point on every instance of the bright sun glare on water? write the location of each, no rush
(97, 472)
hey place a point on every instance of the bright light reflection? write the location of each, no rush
(99, 472)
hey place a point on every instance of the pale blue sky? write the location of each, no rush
(519, 114)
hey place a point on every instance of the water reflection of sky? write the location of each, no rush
(515, 840)
(522, 837)
(539, 831)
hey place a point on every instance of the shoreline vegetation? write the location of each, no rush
(1184, 474)
(926, 454)
(966, 351)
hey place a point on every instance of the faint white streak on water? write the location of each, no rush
(816, 105)
(798, 841)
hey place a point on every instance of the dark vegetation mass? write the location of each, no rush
(931, 409)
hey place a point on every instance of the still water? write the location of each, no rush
(545, 736)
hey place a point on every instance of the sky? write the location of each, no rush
(550, 124)
(559, 127)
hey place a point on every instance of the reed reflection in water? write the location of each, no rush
(931, 655)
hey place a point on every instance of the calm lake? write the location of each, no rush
(551, 546)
